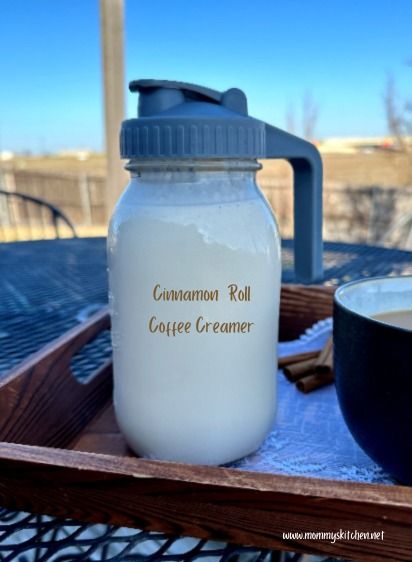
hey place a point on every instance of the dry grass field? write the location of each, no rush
(93, 164)
(386, 169)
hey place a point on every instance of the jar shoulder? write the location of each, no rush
(244, 221)
(175, 200)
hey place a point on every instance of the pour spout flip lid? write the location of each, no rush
(158, 95)
(180, 120)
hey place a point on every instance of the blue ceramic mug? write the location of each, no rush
(373, 368)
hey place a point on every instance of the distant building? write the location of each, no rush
(6, 155)
(80, 154)
(352, 145)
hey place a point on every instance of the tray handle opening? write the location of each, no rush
(42, 403)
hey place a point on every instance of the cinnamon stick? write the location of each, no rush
(296, 358)
(310, 370)
(296, 371)
(324, 363)
(323, 368)
(323, 355)
(314, 381)
(327, 366)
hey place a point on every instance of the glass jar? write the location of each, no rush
(194, 271)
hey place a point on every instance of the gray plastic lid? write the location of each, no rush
(180, 120)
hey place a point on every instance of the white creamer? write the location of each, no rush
(200, 251)
(195, 269)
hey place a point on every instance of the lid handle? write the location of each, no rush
(306, 162)
(158, 95)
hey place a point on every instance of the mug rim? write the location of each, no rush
(385, 278)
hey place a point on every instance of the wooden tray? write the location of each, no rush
(61, 454)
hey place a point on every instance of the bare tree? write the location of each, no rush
(399, 122)
(310, 114)
(395, 117)
(290, 119)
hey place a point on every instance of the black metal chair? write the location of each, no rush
(28, 217)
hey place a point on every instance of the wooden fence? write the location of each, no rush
(80, 196)
(372, 214)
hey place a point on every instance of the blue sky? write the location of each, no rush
(339, 50)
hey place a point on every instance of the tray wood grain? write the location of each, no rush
(61, 453)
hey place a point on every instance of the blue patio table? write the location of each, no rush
(46, 288)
